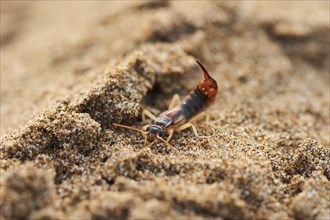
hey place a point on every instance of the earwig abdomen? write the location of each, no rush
(201, 97)
(194, 104)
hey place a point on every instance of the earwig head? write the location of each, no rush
(153, 132)
(208, 86)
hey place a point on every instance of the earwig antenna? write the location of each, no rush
(168, 144)
(151, 143)
(206, 74)
(131, 128)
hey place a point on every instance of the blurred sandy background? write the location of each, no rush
(70, 69)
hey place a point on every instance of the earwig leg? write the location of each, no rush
(145, 141)
(188, 125)
(199, 117)
(145, 127)
(170, 133)
(168, 144)
(150, 143)
(207, 117)
(175, 101)
(145, 113)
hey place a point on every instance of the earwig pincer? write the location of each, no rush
(180, 113)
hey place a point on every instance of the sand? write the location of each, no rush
(69, 70)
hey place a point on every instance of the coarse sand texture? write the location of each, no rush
(71, 70)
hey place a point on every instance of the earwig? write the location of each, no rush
(178, 117)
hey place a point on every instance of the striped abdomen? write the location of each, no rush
(195, 103)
